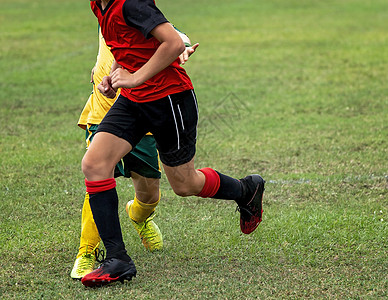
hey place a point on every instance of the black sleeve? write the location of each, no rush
(143, 15)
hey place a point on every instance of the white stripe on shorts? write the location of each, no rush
(180, 114)
(196, 106)
(176, 124)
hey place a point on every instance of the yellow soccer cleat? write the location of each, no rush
(148, 231)
(84, 264)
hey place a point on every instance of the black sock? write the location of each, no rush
(104, 206)
(230, 188)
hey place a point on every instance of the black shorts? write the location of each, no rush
(172, 120)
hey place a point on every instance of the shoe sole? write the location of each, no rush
(102, 282)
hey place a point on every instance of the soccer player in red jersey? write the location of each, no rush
(156, 96)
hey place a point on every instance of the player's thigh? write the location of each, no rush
(103, 154)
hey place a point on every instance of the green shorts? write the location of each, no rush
(143, 159)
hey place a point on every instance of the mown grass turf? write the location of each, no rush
(293, 90)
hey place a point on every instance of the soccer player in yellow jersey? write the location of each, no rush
(141, 165)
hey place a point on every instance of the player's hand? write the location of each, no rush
(184, 57)
(121, 78)
(106, 88)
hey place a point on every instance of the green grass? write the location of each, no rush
(293, 90)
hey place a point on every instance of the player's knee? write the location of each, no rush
(87, 166)
(91, 167)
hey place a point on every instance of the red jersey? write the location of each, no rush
(126, 27)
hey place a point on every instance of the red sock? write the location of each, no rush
(94, 187)
(212, 183)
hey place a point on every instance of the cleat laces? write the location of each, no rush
(89, 258)
(148, 231)
(148, 235)
(144, 230)
(99, 254)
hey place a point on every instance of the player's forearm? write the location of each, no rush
(166, 54)
(171, 46)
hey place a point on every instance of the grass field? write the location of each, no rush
(295, 90)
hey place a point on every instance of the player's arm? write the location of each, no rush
(105, 87)
(171, 46)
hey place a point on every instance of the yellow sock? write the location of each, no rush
(140, 211)
(90, 237)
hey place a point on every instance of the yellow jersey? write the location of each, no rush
(98, 105)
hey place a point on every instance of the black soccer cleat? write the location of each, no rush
(111, 270)
(250, 206)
